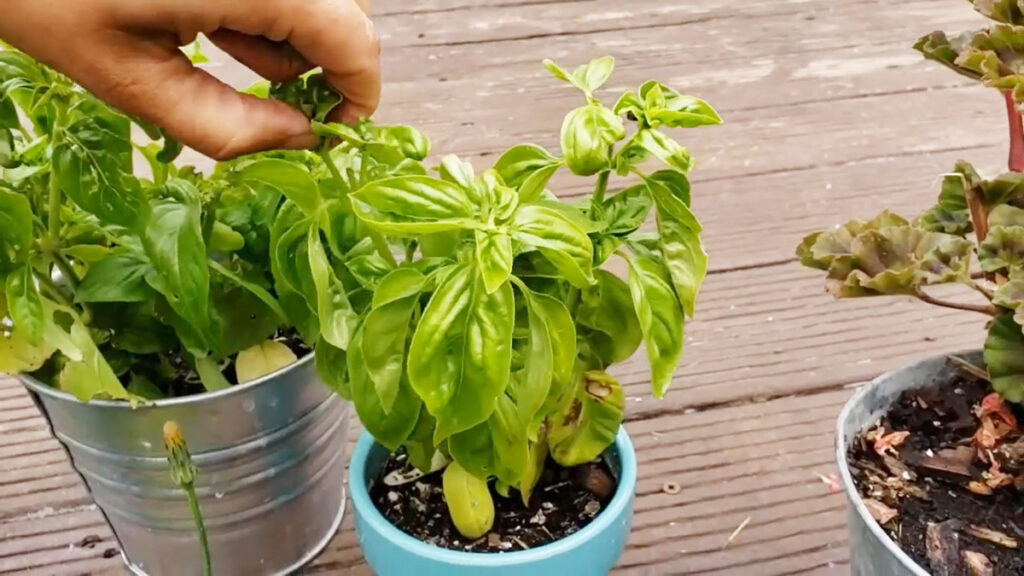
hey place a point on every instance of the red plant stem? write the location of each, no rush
(1016, 134)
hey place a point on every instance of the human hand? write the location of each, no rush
(126, 52)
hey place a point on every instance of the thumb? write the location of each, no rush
(198, 110)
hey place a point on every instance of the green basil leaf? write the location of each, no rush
(627, 210)
(172, 239)
(494, 258)
(145, 388)
(461, 352)
(25, 306)
(8, 113)
(420, 444)
(337, 319)
(588, 133)
(410, 141)
(533, 187)
(667, 107)
(15, 230)
(389, 428)
(210, 374)
(386, 330)
(535, 467)
(332, 368)
(509, 436)
(607, 310)
(91, 376)
(8, 152)
(629, 103)
(521, 162)
(664, 148)
(87, 253)
(588, 419)
(263, 359)
(595, 73)
(18, 356)
(457, 171)
(532, 387)
(661, 319)
(369, 269)
(289, 264)
(559, 239)
(473, 449)
(469, 501)
(224, 239)
(289, 179)
(119, 277)
(413, 205)
(254, 289)
(1004, 357)
(680, 243)
(92, 163)
(246, 319)
(561, 73)
(685, 258)
(586, 78)
(550, 358)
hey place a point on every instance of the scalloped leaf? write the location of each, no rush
(820, 249)
(1005, 215)
(944, 50)
(1004, 357)
(1003, 189)
(1011, 296)
(899, 260)
(1009, 11)
(994, 55)
(950, 215)
(1003, 249)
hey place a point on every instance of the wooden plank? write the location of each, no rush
(777, 486)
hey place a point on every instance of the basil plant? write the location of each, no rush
(974, 234)
(466, 315)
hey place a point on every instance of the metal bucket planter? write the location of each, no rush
(592, 551)
(872, 552)
(271, 461)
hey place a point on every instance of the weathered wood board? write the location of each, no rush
(829, 115)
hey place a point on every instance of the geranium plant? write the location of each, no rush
(467, 316)
(974, 220)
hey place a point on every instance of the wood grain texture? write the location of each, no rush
(829, 115)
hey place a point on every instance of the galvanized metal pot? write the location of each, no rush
(271, 462)
(592, 551)
(872, 552)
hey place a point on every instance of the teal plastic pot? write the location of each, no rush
(594, 550)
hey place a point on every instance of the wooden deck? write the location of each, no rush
(829, 115)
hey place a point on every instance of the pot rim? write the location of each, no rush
(370, 514)
(46, 390)
(852, 495)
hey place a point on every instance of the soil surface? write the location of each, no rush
(934, 491)
(564, 501)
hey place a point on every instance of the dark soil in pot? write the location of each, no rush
(564, 501)
(935, 490)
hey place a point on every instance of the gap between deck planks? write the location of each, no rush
(757, 459)
(764, 328)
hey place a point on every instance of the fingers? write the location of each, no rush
(161, 86)
(335, 35)
(275, 61)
